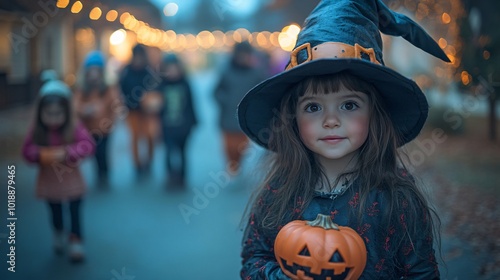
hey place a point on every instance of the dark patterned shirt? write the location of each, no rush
(392, 252)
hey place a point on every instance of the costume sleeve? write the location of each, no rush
(83, 145)
(416, 253)
(31, 151)
(258, 255)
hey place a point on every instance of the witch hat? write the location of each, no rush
(344, 35)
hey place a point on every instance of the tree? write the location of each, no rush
(480, 64)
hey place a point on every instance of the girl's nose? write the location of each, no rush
(331, 120)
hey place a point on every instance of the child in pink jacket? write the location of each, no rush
(57, 144)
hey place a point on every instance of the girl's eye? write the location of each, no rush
(349, 106)
(312, 107)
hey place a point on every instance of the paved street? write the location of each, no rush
(135, 230)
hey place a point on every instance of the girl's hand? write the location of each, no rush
(49, 155)
(59, 154)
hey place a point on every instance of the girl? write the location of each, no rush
(177, 116)
(334, 121)
(96, 105)
(57, 145)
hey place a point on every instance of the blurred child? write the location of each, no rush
(242, 74)
(177, 116)
(136, 79)
(57, 144)
(95, 105)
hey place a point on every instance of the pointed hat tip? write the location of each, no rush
(447, 59)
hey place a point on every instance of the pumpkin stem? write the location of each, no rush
(323, 221)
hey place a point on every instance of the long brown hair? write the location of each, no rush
(41, 131)
(294, 170)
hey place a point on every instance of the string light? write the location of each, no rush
(123, 17)
(95, 13)
(62, 4)
(486, 55)
(445, 18)
(112, 15)
(77, 7)
(465, 77)
(442, 43)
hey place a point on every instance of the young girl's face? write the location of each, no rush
(334, 125)
(53, 115)
(94, 76)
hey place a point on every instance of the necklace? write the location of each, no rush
(337, 192)
(333, 194)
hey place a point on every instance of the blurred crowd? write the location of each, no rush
(155, 99)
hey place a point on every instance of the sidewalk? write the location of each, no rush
(135, 229)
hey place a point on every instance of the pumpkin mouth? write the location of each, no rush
(326, 274)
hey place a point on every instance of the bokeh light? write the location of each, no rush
(112, 15)
(170, 9)
(77, 7)
(288, 37)
(95, 13)
(442, 43)
(118, 37)
(62, 3)
(445, 18)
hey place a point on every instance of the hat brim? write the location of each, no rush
(405, 101)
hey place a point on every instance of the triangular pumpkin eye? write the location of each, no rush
(305, 252)
(336, 258)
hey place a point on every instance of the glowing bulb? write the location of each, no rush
(288, 37)
(124, 17)
(294, 29)
(286, 41)
(62, 3)
(95, 13)
(118, 37)
(274, 39)
(112, 15)
(465, 79)
(442, 43)
(77, 7)
(170, 9)
(486, 55)
(205, 39)
(446, 18)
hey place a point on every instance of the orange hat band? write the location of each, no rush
(330, 50)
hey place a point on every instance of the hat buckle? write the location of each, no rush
(331, 50)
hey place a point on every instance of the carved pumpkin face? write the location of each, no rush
(320, 249)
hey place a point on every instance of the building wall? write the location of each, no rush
(30, 48)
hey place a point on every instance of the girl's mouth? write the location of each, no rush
(332, 139)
